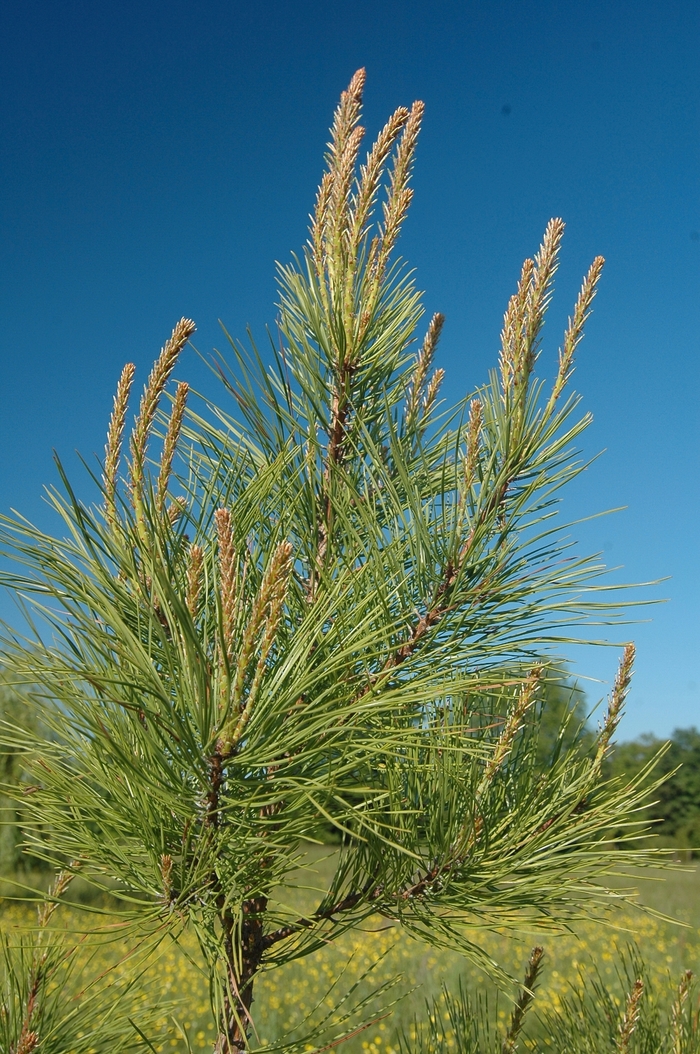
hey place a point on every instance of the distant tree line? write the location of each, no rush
(675, 805)
(17, 709)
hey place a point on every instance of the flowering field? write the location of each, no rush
(290, 999)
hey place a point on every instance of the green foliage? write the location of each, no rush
(463, 1024)
(558, 721)
(630, 1017)
(17, 709)
(301, 612)
(675, 804)
(50, 1005)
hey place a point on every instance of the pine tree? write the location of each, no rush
(296, 612)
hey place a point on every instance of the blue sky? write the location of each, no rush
(156, 159)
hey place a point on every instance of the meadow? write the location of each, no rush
(289, 1001)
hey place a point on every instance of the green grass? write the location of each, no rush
(285, 997)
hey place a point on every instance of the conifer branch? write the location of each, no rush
(513, 724)
(677, 1012)
(265, 616)
(524, 319)
(194, 579)
(471, 460)
(424, 361)
(29, 1036)
(170, 444)
(631, 1017)
(525, 998)
(159, 376)
(228, 586)
(400, 194)
(574, 330)
(370, 179)
(617, 700)
(115, 436)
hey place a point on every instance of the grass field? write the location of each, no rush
(290, 999)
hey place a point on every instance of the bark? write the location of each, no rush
(238, 995)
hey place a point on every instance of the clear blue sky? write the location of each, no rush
(158, 157)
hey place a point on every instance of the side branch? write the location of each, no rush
(443, 592)
(369, 892)
(340, 406)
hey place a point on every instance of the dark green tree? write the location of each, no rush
(17, 709)
(675, 804)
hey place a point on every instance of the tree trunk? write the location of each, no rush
(238, 995)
